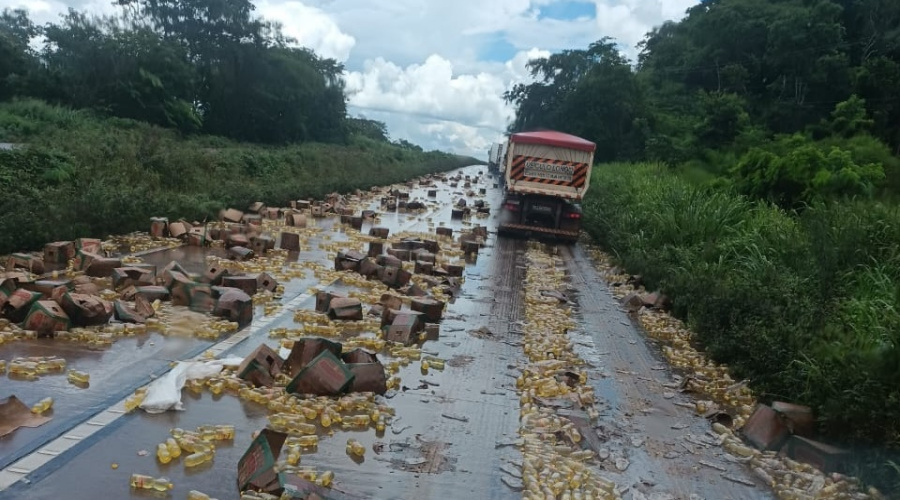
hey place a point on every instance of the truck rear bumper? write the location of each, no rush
(525, 229)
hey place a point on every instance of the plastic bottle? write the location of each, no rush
(133, 401)
(196, 495)
(308, 441)
(195, 459)
(2, 366)
(174, 449)
(326, 479)
(162, 453)
(354, 447)
(141, 482)
(77, 377)
(225, 432)
(162, 484)
(42, 405)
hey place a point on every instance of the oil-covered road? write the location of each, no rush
(455, 431)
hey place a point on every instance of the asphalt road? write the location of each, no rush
(454, 428)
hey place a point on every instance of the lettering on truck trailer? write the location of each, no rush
(549, 171)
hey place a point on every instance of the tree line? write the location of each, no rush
(791, 101)
(198, 66)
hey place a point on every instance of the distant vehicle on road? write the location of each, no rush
(546, 175)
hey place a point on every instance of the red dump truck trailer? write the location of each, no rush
(547, 174)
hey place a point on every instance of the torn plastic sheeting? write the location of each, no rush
(164, 393)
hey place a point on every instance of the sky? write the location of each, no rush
(435, 71)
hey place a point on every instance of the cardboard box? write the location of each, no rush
(379, 232)
(231, 215)
(271, 213)
(358, 356)
(261, 367)
(266, 282)
(214, 275)
(257, 472)
(159, 227)
(317, 211)
(444, 231)
(348, 260)
(132, 276)
(257, 207)
(177, 229)
(152, 293)
(432, 310)
(455, 270)
(295, 220)
(368, 377)
(234, 305)
(31, 263)
(376, 248)
(262, 244)
(432, 331)
(46, 318)
(86, 310)
(46, 287)
(196, 237)
(432, 193)
(303, 204)
(323, 300)
(240, 253)
(766, 429)
(237, 240)
(416, 291)
(356, 222)
(388, 275)
(325, 375)
(423, 267)
(290, 241)
(823, 456)
(89, 245)
(127, 314)
(102, 267)
(400, 253)
(347, 309)
(403, 328)
(248, 284)
(19, 304)
(388, 261)
(196, 296)
(59, 252)
(391, 301)
(308, 348)
(368, 268)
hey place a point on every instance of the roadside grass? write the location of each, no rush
(84, 176)
(805, 306)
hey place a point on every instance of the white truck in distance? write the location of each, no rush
(546, 174)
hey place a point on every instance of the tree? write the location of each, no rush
(16, 56)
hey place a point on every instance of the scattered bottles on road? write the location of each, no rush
(162, 453)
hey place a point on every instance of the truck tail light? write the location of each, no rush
(573, 215)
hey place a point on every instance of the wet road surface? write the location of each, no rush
(455, 426)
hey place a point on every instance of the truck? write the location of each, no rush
(546, 175)
(494, 157)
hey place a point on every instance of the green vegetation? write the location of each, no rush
(764, 194)
(87, 176)
(145, 108)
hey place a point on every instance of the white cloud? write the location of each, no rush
(310, 26)
(424, 67)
